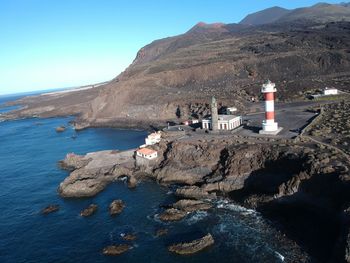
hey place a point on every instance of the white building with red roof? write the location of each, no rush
(147, 153)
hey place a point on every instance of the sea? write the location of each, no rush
(29, 177)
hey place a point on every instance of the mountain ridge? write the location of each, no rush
(320, 12)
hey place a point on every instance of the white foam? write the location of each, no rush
(225, 204)
(281, 257)
(197, 216)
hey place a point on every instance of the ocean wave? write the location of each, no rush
(225, 204)
(196, 216)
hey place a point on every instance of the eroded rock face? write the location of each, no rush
(193, 246)
(116, 207)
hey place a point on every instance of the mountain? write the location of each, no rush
(176, 76)
(321, 13)
(266, 16)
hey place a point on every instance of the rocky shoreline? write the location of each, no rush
(282, 179)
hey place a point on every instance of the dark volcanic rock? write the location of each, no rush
(50, 209)
(116, 250)
(116, 207)
(193, 246)
(89, 210)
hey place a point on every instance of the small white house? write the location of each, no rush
(153, 138)
(231, 110)
(147, 153)
(225, 122)
(330, 91)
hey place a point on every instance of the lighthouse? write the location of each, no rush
(269, 126)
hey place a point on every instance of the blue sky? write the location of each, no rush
(62, 43)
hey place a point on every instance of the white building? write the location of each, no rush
(153, 138)
(231, 110)
(225, 122)
(330, 91)
(147, 153)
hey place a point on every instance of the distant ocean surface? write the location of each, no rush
(29, 177)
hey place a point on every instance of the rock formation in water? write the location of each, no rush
(116, 207)
(89, 210)
(192, 247)
(116, 250)
(50, 209)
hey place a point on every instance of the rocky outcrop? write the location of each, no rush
(189, 205)
(172, 214)
(194, 192)
(50, 209)
(94, 171)
(192, 247)
(116, 207)
(116, 250)
(89, 210)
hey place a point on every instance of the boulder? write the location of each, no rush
(116, 207)
(116, 250)
(193, 246)
(90, 210)
(60, 128)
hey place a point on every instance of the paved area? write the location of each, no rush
(292, 120)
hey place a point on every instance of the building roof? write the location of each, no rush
(146, 151)
(224, 117)
(154, 135)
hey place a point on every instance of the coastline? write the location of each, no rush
(264, 195)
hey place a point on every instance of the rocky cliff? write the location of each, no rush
(301, 187)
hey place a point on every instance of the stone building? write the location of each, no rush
(224, 122)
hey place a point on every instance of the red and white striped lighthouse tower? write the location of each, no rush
(269, 126)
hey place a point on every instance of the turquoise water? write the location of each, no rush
(29, 177)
